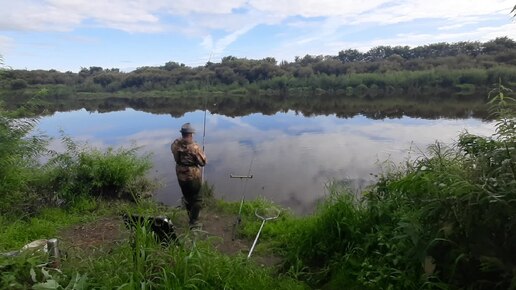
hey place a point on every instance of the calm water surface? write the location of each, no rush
(293, 156)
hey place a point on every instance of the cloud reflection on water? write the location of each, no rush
(294, 156)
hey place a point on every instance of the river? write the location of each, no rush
(293, 156)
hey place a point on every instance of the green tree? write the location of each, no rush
(18, 84)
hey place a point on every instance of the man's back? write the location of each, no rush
(189, 157)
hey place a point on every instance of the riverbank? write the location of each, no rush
(98, 249)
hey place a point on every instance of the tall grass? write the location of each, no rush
(190, 265)
(112, 173)
(17, 161)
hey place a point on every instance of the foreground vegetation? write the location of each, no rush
(442, 221)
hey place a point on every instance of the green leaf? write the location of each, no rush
(78, 282)
(46, 274)
(49, 284)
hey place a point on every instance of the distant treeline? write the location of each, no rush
(441, 69)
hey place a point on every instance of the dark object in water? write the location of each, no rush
(163, 228)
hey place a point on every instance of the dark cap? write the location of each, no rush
(187, 129)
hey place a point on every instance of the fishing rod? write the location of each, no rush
(239, 217)
(205, 110)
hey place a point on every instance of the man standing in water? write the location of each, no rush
(189, 159)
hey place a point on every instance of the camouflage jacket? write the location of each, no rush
(189, 158)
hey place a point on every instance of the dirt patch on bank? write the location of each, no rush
(103, 233)
(106, 233)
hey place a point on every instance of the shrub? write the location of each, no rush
(113, 173)
(18, 84)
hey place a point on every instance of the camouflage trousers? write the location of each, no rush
(193, 200)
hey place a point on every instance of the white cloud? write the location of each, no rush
(61, 15)
(453, 26)
(150, 16)
(204, 6)
(207, 42)
(415, 39)
(224, 42)
(31, 15)
(456, 23)
(458, 10)
(6, 43)
(488, 33)
(316, 8)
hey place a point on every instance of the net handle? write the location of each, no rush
(267, 218)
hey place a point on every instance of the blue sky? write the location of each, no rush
(126, 34)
